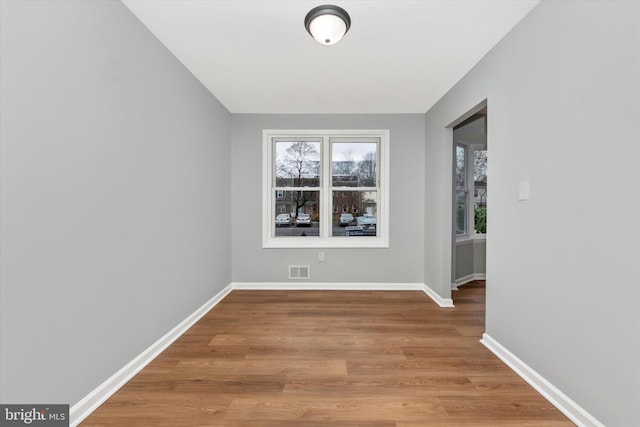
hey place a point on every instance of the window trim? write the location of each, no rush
(326, 205)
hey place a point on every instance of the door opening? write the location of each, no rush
(470, 185)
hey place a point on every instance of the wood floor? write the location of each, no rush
(319, 358)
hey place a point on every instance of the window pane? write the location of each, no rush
(297, 213)
(297, 164)
(354, 164)
(480, 178)
(460, 169)
(461, 213)
(480, 191)
(360, 216)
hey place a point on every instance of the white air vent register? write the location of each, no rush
(299, 271)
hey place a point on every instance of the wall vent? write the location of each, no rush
(299, 272)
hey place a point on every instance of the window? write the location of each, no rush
(480, 191)
(471, 190)
(461, 190)
(331, 175)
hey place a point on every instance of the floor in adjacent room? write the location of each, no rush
(331, 358)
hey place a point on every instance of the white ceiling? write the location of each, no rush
(399, 56)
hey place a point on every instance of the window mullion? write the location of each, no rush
(349, 189)
(325, 176)
(296, 188)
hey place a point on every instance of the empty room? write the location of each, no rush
(278, 212)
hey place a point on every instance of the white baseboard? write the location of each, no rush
(97, 397)
(557, 398)
(442, 302)
(325, 286)
(291, 286)
(466, 279)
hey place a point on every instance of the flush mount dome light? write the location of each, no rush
(327, 23)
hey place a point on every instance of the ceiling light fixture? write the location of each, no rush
(327, 23)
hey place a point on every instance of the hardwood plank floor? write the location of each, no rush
(324, 358)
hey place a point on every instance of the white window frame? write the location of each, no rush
(325, 240)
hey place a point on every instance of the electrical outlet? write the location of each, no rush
(321, 256)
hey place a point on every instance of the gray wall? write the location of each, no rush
(563, 94)
(114, 182)
(463, 259)
(470, 258)
(400, 263)
(479, 256)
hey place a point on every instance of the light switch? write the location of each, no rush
(523, 190)
(321, 256)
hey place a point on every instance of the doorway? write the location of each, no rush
(470, 190)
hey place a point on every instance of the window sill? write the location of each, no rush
(462, 240)
(320, 243)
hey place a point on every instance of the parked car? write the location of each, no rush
(303, 220)
(365, 226)
(283, 220)
(346, 219)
